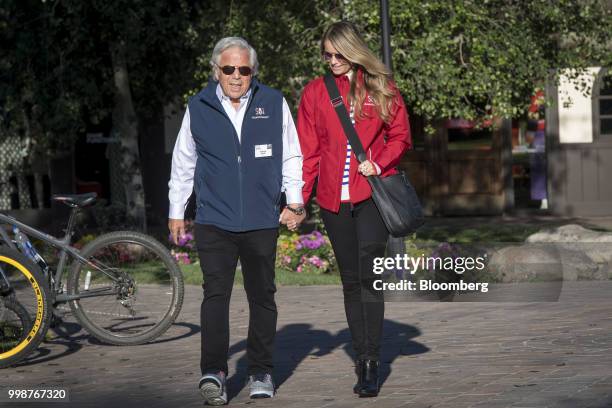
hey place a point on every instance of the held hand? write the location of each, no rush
(367, 168)
(177, 229)
(284, 216)
(291, 220)
(294, 221)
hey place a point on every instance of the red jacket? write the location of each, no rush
(323, 143)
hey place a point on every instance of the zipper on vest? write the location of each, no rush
(240, 189)
(248, 106)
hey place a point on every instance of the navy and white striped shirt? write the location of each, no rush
(344, 195)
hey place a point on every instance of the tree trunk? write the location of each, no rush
(125, 127)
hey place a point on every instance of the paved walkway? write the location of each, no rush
(435, 355)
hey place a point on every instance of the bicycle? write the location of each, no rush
(123, 287)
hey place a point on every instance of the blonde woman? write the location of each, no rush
(352, 221)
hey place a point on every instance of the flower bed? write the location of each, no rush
(308, 253)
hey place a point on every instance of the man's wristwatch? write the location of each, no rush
(296, 211)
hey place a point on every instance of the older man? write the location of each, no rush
(239, 148)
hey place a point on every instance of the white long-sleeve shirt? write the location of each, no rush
(184, 156)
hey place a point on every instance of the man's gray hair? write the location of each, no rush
(230, 42)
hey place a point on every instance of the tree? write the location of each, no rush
(482, 59)
(70, 63)
(285, 35)
(470, 59)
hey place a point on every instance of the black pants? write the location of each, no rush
(358, 235)
(219, 251)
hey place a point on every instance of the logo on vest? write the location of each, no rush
(369, 102)
(260, 113)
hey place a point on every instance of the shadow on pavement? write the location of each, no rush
(68, 330)
(71, 336)
(43, 354)
(297, 342)
(397, 341)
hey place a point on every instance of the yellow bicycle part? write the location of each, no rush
(39, 310)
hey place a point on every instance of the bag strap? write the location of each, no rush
(345, 120)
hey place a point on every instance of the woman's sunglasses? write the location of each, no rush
(327, 56)
(229, 70)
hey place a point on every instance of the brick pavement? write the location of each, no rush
(439, 355)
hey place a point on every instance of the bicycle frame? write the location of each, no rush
(63, 244)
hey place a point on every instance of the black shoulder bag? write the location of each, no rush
(394, 196)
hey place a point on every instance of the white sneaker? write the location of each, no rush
(261, 386)
(212, 388)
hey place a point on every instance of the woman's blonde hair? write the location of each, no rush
(345, 38)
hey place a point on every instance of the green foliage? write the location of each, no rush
(285, 35)
(38, 99)
(469, 59)
(57, 73)
(482, 59)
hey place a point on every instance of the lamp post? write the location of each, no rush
(385, 25)
(395, 246)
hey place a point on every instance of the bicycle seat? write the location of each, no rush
(76, 200)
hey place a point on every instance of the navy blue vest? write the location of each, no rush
(238, 183)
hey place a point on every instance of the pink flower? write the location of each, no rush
(316, 261)
(181, 257)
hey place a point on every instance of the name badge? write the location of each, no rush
(263, 151)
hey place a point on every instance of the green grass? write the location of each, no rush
(193, 276)
(483, 233)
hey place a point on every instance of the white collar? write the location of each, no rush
(222, 96)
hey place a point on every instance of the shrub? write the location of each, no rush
(308, 253)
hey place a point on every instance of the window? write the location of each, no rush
(603, 104)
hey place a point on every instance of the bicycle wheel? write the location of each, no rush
(25, 307)
(131, 288)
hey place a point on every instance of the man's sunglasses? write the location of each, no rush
(327, 56)
(229, 70)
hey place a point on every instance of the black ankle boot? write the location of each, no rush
(369, 379)
(359, 372)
